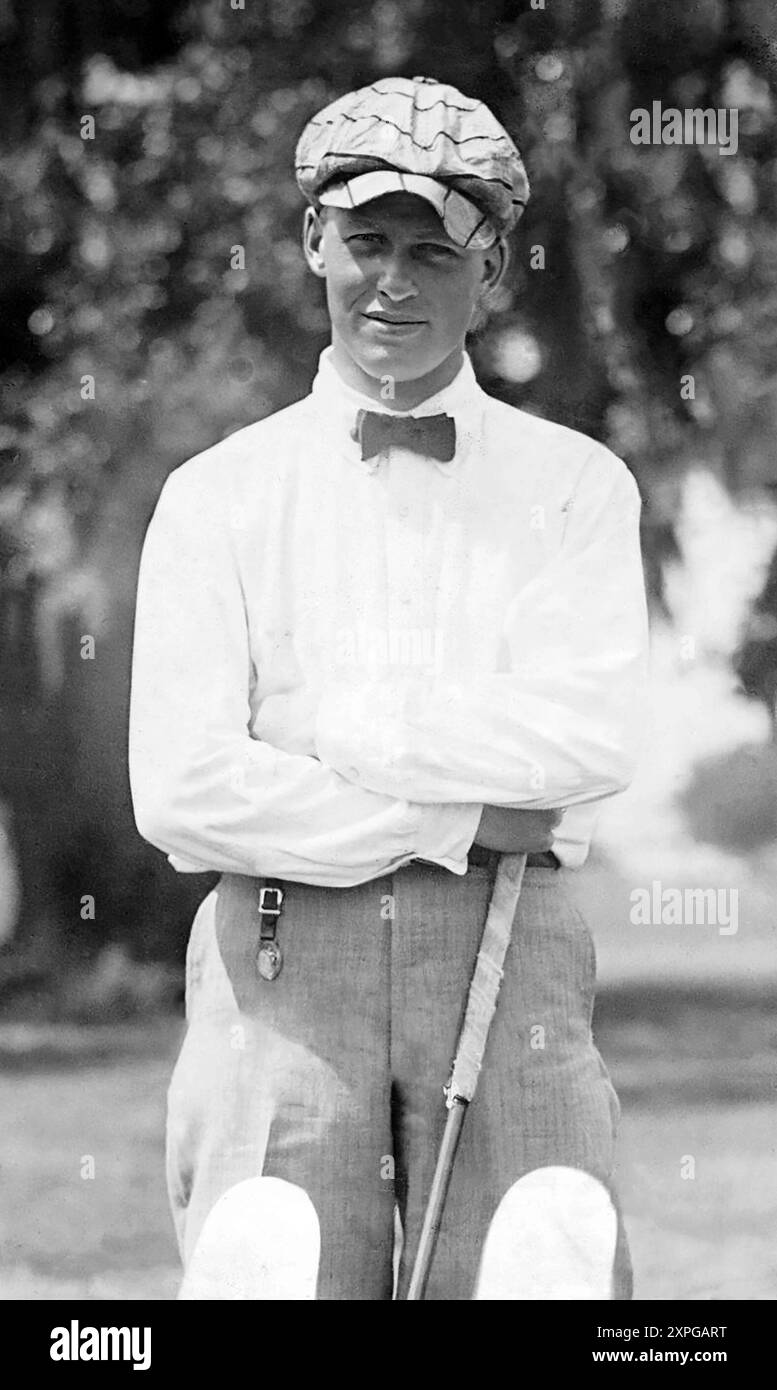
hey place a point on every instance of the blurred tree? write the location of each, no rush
(755, 660)
(131, 339)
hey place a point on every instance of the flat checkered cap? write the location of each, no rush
(425, 129)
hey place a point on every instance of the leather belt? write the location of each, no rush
(540, 859)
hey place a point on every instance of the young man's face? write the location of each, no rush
(401, 293)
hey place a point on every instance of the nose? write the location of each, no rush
(395, 280)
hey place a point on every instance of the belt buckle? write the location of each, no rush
(270, 911)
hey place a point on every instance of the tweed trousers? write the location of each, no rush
(330, 1076)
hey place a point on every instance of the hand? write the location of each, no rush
(288, 720)
(515, 831)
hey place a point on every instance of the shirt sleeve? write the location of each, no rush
(206, 792)
(561, 726)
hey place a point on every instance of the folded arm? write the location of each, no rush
(204, 791)
(561, 726)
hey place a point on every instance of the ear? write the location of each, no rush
(495, 262)
(494, 268)
(312, 242)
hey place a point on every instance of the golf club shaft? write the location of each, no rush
(481, 1003)
(436, 1204)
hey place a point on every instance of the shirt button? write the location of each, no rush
(404, 510)
(352, 774)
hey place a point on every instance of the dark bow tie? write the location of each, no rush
(434, 436)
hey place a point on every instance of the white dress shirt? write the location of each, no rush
(337, 663)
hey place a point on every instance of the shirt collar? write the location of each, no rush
(337, 404)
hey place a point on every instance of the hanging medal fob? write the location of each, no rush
(269, 958)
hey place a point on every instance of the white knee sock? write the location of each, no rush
(261, 1240)
(552, 1237)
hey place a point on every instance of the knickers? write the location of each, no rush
(331, 1075)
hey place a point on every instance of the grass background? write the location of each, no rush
(102, 1092)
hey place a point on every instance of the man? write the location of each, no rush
(383, 636)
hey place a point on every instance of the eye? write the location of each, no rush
(438, 249)
(364, 238)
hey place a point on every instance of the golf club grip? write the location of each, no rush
(487, 977)
(436, 1204)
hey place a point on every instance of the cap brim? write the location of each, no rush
(465, 223)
